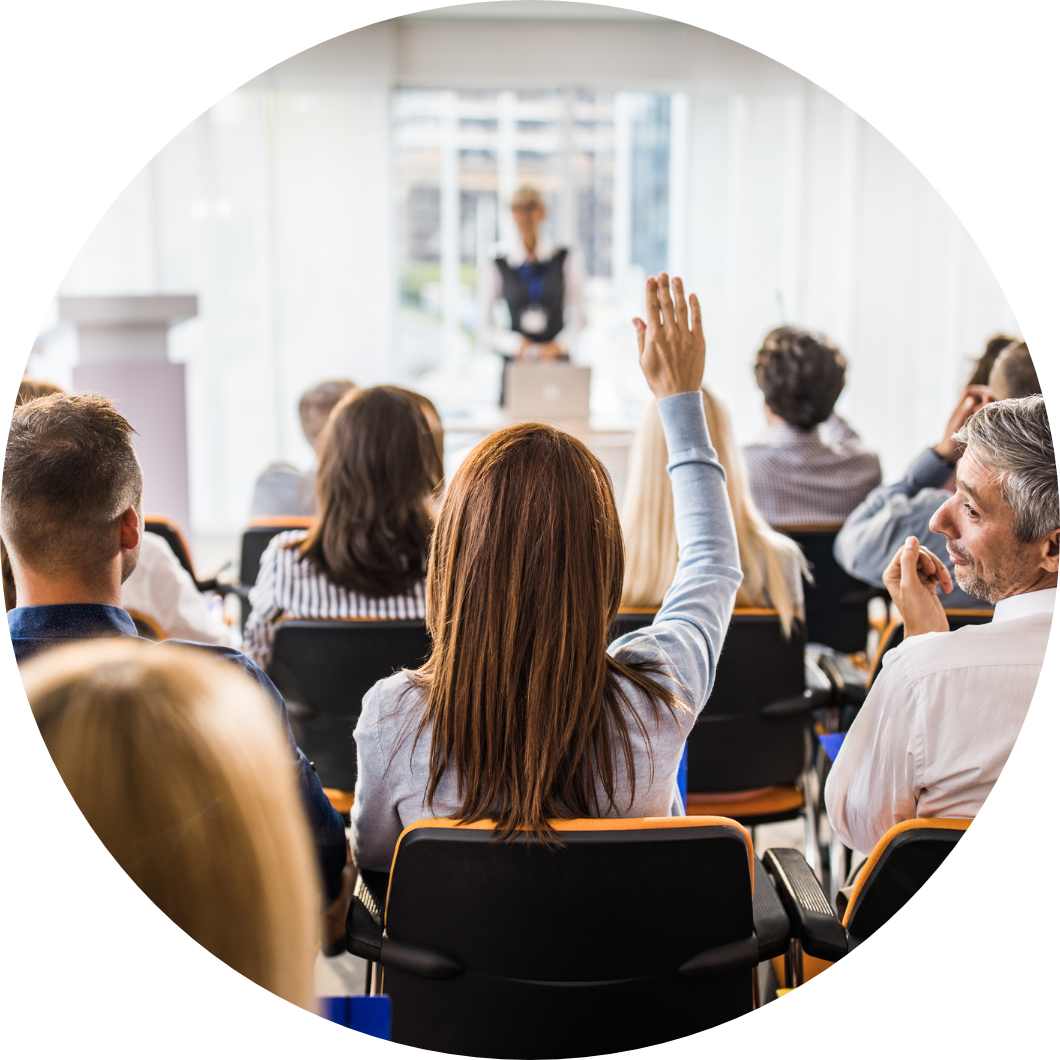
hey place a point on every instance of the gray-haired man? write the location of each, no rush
(943, 714)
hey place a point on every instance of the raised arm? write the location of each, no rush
(689, 628)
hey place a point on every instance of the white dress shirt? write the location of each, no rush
(162, 590)
(939, 723)
(491, 290)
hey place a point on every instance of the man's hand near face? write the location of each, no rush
(912, 579)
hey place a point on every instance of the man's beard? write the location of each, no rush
(1006, 578)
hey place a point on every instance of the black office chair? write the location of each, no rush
(753, 731)
(901, 863)
(522, 949)
(837, 605)
(323, 668)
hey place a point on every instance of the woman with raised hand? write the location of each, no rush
(177, 762)
(773, 565)
(523, 712)
(366, 553)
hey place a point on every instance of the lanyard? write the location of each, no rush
(533, 281)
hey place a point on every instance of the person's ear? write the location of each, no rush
(130, 529)
(1051, 552)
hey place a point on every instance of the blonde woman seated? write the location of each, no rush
(773, 565)
(366, 554)
(177, 762)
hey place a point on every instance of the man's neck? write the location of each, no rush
(33, 590)
(530, 243)
(1046, 580)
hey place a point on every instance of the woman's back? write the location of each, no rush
(365, 554)
(524, 713)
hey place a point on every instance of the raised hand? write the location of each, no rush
(672, 348)
(912, 579)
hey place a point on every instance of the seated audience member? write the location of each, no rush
(523, 713)
(945, 710)
(366, 553)
(890, 514)
(70, 516)
(159, 588)
(773, 565)
(808, 465)
(177, 763)
(281, 488)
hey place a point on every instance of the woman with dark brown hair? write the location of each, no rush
(524, 713)
(366, 553)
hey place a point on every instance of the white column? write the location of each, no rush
(123, 348)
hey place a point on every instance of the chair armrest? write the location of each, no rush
(364, 923)
(849, 686)
(772, 927)
(365, 936)
(785, 708)
(813, 921)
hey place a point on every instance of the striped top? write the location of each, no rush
(815, 476)
(290, 585)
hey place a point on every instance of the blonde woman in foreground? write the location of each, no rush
(177, 763)
(773, 565)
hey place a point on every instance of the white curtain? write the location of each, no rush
(275, 208)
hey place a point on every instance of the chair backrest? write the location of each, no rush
(146, 626)
(572, 950)
(900, 864)
(837, 612)
(168, 529)
(324, 668)
(631, 618)
(256, 538)
(734, 746)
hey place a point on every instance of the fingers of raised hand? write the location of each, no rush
(666, 302)
(680, 306)
(651, 298)
(641, 328)
(697, 318)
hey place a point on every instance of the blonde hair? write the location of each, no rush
(179, 766)
(651, 539)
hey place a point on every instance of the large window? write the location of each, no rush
(603, 162)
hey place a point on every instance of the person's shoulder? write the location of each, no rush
(1018, 642)
(283, 542)
(391, 697)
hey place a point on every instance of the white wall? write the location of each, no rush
(275, 208)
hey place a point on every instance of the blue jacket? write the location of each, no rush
(34, 629)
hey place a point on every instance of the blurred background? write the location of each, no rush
(331, 218)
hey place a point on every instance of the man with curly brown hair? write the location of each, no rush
(808, 466)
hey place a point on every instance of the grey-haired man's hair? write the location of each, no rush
(1012, 438)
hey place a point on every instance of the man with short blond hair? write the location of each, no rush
(945, 711)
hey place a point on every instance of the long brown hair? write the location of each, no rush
(524, 582)
(177, 763)
(379, 468)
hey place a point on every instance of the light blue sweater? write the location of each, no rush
(686, 638)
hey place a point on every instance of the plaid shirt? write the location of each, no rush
(815, 476)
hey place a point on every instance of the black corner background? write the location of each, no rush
(92, 94)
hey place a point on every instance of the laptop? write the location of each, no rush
(557, 392)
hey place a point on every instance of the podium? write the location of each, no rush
(124, 344)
